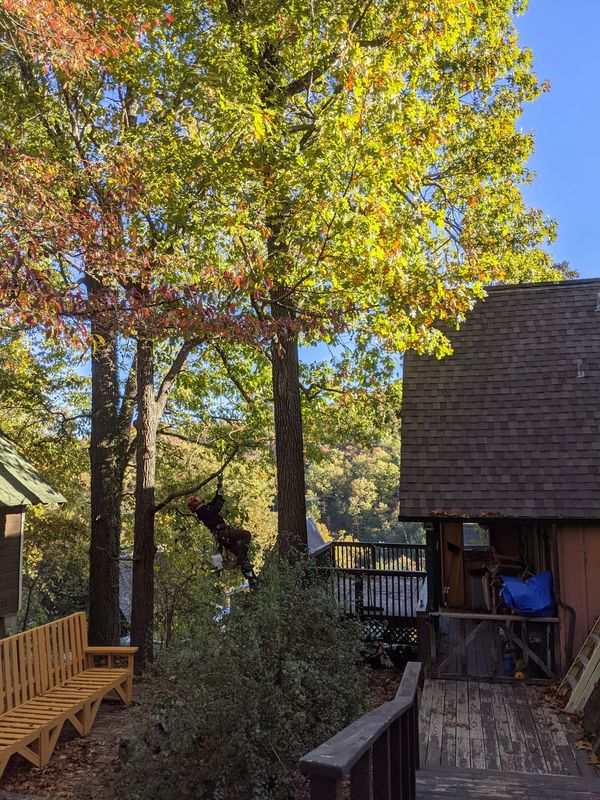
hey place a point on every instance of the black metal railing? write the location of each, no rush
(377, 593)
(379, 555)
(378, 753)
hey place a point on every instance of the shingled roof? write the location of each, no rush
(20, 483)
(509, 425)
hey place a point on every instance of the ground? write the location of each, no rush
(79, 767)
(75, 768)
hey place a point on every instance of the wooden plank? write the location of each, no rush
(488, 726)
(14, 668)
(504, 735)
(69, 646)
(425, 716)
(436, 726)
(8, 687)
(28, 638)
(544, 731)
(534, 758)
(2, 686)
(22, 659)
(475, 727)
(515, 728)
(573, 733)
(47, 632)
(486, 616)
(61, 652)
(463, 747)
(449, 729)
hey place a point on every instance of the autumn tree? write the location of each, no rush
(382, 180)
(110, 209)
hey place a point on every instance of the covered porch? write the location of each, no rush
(467, 631)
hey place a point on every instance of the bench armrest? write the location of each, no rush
(110, 653)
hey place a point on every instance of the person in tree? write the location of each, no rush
(235, 540)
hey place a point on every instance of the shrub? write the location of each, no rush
(231, 716)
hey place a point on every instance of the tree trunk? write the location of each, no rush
(289, 444)
(144, 549)
(106, 486)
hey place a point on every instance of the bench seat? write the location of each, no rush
(48, 677)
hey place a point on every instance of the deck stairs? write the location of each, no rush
(473, 784)
(584, 673)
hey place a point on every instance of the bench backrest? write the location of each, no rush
(41, 658)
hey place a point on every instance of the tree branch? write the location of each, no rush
(191, 489)
(172, 373)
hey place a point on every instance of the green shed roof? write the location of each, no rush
(20, 483)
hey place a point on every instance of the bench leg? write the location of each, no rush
(48, 739)
(125, 690)
(77, 720)
(3, 763)
(39, 751)
(89, 714)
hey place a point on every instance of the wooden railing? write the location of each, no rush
(378, 753)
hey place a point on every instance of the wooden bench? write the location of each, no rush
(48, 676)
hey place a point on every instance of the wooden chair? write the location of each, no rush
(48, 676)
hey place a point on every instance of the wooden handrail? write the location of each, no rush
(380, 750)
(492, 617)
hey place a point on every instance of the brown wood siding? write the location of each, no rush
(579, 574)
(11, 546)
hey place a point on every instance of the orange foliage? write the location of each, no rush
(63, 35)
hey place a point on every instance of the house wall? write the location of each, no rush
(579, 574)
(11, 555)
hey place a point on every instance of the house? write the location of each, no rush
(20, 486)
(501, 462)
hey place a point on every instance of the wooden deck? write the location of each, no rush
(496, 726)
(477, 785)
(495, 740)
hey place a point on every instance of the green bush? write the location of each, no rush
(230, 717)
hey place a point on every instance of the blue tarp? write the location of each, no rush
(530, 598)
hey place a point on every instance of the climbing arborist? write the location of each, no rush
(235, 540)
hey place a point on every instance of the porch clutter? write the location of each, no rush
(48, 676)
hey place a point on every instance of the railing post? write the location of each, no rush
(395, 765)
(382, 789)
(423, 639)
(325, 788)
(361, 778)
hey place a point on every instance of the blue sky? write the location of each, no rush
(565, 40)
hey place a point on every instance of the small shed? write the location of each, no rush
(21, 485)
(501, 462)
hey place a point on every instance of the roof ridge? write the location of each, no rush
(511, 287)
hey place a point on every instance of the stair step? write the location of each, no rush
(473, 784)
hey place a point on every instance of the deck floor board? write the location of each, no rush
(490, 726)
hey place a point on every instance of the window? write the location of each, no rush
(475, 537)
